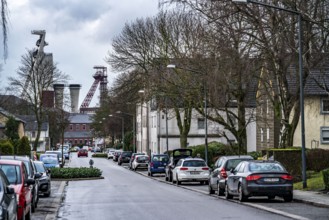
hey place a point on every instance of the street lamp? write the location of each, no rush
(134, 127)
(123, 130)
(300, 58)
(172, 66)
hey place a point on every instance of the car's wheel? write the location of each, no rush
(47, 194)
(119, 164)
(166, 178)
(227, 193)
(33, 205)
(288, 198)
(177, 181)
(206, 182)
(220, 191)
(28, 215)
(148, 173)
(242, 197)
(151, 174)
(210, 189)
(271, 197)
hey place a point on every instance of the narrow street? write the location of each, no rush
(124, 194)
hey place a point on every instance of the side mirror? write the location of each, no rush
(29, 182)
(48, 171)
(37, 175)
(10, 190)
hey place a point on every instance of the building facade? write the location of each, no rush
(78, 132)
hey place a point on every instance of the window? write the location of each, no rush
(83, 127)
(201, 123)
(77, 127)
(33, 134)
(71, 127)
(325, 106)
(267, 106)
(261, 135)
(268, 135)
(324, 135)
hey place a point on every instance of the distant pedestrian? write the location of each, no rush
(35, 156)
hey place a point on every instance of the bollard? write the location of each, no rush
(91, 163)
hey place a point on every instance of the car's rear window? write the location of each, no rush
(194, 163)
(126, 154)
(265, 167)
(231, 164)
(161, 158)
(13, 173)
(142, 158)
(48, 159)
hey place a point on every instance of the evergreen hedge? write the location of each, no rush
(6, 147)
(325, 174)
(75, 172)
(99, 155)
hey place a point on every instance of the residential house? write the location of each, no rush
(79, 130)
(31, 129)
(4, 115)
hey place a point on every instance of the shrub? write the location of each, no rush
(23, 146)
(75, 172)
(317, 159)
(99, 155)
(325, 174)
(255, 154)
(6, 148)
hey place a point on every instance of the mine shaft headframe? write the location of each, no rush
(41, 42)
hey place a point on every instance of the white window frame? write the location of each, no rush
(261, 135)
(322, 106)
(268, 135)
(322, 129)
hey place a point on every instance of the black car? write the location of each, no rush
(8, 200)
(222, 169)
(124, 157)
(44, 180)
(259, 178)
(32, 174)
(177, 154)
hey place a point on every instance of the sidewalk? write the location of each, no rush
(311, 197)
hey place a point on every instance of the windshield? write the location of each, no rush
(13, 173)
(40, 168)
(46, 159)
(162, 158)
(194, 163)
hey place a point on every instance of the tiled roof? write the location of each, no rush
(8, 114)
(317, 84)
(80, 118)
(31, 124)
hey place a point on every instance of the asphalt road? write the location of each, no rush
(124, 194)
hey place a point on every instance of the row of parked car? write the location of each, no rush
(240, 176)
(23, 181)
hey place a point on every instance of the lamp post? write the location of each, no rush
(300, 59)
(134, 127)
(123, 130)
(172, 66)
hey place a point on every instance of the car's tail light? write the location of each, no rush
(183, 168)
(253, 177)
(151, 164)
(205, 168)
(223, 173)
(286, 177)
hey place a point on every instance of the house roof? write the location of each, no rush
(80, 118)
(8, 114)
(317, 84)
(31, 123)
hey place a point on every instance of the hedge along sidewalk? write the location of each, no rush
(71, 173)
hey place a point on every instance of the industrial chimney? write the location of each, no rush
(74, 93)
(59, 95)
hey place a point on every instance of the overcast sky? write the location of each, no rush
(79, 33)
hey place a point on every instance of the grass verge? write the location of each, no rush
(314, 182)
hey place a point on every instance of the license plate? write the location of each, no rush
(160, 167)
(271, 180)
(194, 172)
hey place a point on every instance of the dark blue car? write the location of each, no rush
(157, 164)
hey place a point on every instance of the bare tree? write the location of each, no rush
(42, 74)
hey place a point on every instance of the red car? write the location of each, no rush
(82, 153)
(17, 176)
